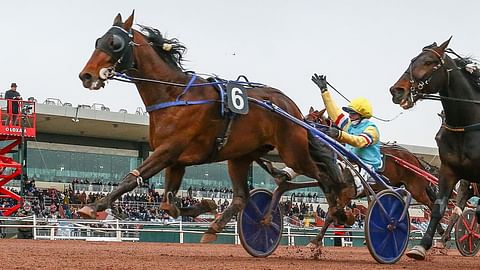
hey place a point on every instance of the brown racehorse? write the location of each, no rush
(420, 188)
(187, 135)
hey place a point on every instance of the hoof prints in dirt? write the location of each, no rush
(303, 253)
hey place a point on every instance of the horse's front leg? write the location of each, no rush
(446, 183)
(315, 242)
(238, 171)
(463, 194)
(173, 181)
(151, 166)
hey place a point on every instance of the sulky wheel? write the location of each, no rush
(259, 237)
(386, 235)
(467, 233)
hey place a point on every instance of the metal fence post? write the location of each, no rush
(181, 231)
(236, 233)
(34, 226)
(119, 233)
(289, 240)
(52, 233)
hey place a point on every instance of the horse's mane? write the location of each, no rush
(173, 56)
(461, 63)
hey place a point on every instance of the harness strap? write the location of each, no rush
(168, 104)
(462, 129)
(222, 137)
(189, 85)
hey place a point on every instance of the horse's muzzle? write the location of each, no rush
(398, 94)
(91, 82)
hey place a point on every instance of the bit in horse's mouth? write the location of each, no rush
(97, 84)
(407, 103)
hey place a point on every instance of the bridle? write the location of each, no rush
(417, 85)
(118, 44)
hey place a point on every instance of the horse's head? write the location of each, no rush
(425, 75)
(113, 52)
(318, 117)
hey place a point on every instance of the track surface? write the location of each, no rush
(36, 254)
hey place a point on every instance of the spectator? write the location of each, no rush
(339, 233)
(190, 192)
(14, 95)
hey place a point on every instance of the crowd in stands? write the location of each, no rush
(144, 205)
(86, 181)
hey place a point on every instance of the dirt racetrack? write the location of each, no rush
(37, 254)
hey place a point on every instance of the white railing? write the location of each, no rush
(117, 230)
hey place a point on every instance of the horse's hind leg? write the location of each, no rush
(315, 242)
(238, 171)
(173, 181)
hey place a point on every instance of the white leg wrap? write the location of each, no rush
(139, 181)
(136, 173)
(358, 184)
(291, 173)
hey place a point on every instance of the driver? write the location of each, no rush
(353, 128)
(360, 135)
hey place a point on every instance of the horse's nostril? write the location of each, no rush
(394, 90)
(85, 76)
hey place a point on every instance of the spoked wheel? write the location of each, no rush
(467, 233)
(259, 237)
(387, 235)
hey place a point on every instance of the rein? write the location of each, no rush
(439, 98)
(378, 118)
(178, 102)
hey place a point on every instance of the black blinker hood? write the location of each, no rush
(123, 56)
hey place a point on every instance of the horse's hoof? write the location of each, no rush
(210, 205)
(171, 209)
(87, 212)
(417, 253)
(439, 245)
(312, 246)
(208, 238)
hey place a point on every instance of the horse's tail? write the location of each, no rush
(324, 157)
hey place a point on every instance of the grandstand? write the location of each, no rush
(89, 148)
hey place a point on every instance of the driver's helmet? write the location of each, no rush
(360, 106)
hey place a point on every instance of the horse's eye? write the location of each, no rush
(117, 43)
